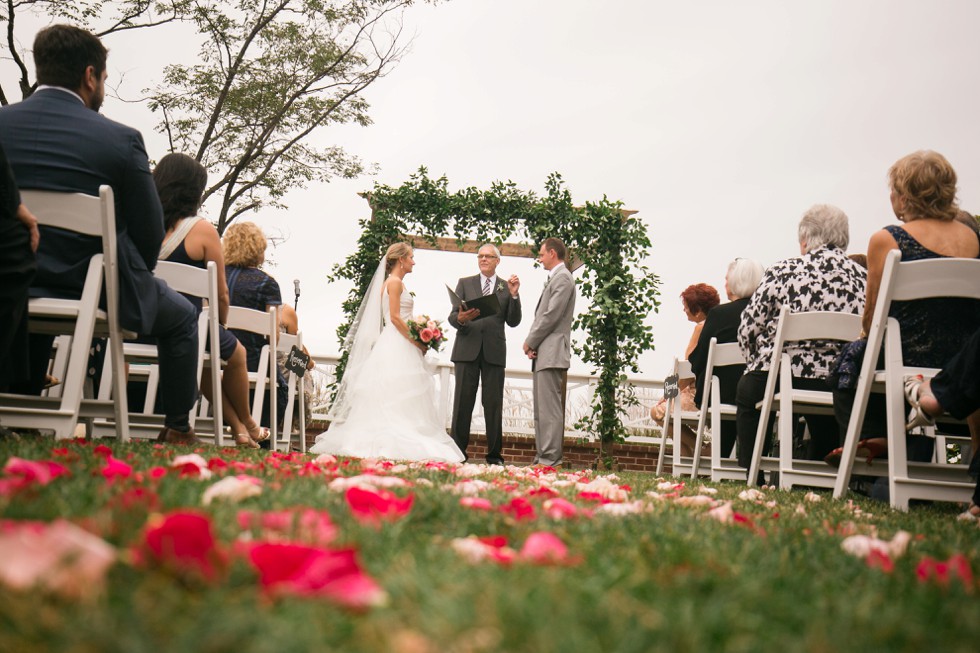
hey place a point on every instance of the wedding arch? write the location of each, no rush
(612, 246)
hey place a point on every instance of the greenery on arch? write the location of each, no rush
(619, 289)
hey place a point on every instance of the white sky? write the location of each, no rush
(720, 122)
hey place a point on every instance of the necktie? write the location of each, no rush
(486, 286)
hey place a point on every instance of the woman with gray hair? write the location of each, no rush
(822, 278)
(722, 323)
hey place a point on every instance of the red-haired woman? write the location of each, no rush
(697, 300)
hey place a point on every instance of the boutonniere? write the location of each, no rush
(500, 285)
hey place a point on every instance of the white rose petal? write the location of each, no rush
(752, 494)
(233, 488)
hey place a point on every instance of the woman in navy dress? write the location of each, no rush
(923, 198)
(192, 240)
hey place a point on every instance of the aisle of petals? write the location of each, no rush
(293, 551)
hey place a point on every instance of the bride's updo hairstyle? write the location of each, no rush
(394, 254)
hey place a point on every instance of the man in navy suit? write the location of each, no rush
(480, 352)
(56, 140)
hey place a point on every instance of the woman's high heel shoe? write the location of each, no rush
(869, 449)
(262, 435)
(917, 416)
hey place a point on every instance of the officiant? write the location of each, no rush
(480, 350)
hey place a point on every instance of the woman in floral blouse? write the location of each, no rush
(822, 278)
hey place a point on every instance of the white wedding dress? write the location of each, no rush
(392, 404)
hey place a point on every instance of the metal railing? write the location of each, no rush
(518, 410)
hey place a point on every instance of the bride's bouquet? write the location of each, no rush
(429, 332)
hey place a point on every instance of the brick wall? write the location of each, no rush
(578, 454)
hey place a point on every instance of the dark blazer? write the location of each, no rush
(722, 323)
(488, 332)
(54, 142)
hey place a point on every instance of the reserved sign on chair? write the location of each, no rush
(671, 389)
(297, 361)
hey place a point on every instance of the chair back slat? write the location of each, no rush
(71, 211)
(725, 354)
(821, 325)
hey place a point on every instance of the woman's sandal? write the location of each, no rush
(263, 434)
(917, 416)
(245, 441)
(869, 448)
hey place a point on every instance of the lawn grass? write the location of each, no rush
(669, 578)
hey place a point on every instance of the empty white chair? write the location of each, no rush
(675, 418)
(294, 388)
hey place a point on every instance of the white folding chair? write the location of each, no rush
(794, 327)
(945, 277)
(81, 318)
(142, 358)
(294, 386)
(719, 355)
(264, 323)
(675, 419)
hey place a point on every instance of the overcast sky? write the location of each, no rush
(720, 122)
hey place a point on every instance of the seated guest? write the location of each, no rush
(741, 280)
(180, 181)
(968, 219)
(923, 198)
(18, 242)
(955, 389)
(57, 140)
(244, 249)
(823, 278)
(697, 301)
(860, 259)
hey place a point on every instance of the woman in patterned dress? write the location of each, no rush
(822, 278)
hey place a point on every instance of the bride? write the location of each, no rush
(385, 405)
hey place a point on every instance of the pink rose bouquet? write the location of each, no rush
(429, 332)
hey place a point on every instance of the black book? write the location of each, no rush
(488, 304)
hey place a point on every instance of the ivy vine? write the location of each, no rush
(620, 290)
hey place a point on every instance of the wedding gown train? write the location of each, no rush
(393, 411)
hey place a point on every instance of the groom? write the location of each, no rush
(548, 345)
(480, 352)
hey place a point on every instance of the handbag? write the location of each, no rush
(844, 374)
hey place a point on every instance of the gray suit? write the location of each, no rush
(551, 338)
(480, 355)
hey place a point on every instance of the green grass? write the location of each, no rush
(668, 579)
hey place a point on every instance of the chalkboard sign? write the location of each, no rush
(297, 361)
(670, 387)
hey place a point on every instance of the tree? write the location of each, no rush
(270, 74)
(112, 15)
